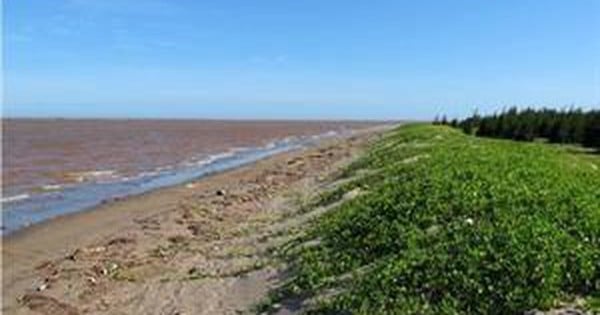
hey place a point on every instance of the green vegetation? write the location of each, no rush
(571, 126)
(447, 223)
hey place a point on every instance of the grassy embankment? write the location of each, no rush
(446, 223)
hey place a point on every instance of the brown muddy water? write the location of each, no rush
(55, 166)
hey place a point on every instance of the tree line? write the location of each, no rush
(556, 126)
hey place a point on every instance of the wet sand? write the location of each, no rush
(200, 248)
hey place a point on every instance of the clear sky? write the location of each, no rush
(297, 59)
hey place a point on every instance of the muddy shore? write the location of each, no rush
(199, 248)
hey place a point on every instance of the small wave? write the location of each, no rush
(165, 168)
(241, 149)
(148, 173)
(51, 187)
(14, 198)
(211, 158)
(93, 175)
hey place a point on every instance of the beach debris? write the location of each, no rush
(42, 287)
(92, 280)
(72, 256)
(120, 241)
(245, 198)
(193, 270)
(296, 161)
(195, 229)
(94, 250)
(316, 155)
(221, 192)
(105, 270)
(46, 264)
(177, 239)
(83, 251)
(111, 267)
(47, 305)
(469, 221)
(99, 270)
(190, 185)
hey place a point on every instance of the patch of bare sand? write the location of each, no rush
(200, 248)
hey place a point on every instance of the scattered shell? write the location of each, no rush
(97, 249)
(113, 266)
(43, 287)
(92, 280)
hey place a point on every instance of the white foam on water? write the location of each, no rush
(210, 159)
(147, 173)
(52, 187)
(165, 168)
(94, 175)
(14, 198)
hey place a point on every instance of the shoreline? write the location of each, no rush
(113, 202)
(126, 198)
(27, 249)
(39, 208)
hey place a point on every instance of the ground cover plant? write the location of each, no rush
(447, 223)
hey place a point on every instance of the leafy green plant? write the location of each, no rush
(479, 226)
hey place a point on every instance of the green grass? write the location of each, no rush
(453, 224)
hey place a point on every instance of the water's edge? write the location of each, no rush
(20, 213)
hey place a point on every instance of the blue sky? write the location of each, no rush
(297, 59)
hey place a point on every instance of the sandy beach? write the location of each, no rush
(204, 247)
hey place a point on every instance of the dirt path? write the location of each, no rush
(202, 248)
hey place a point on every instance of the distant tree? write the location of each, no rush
(483, 129)
(591, 133)
(560, 126)
(577, 126)
(467, 126)
(444, 120)
(555, 131)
